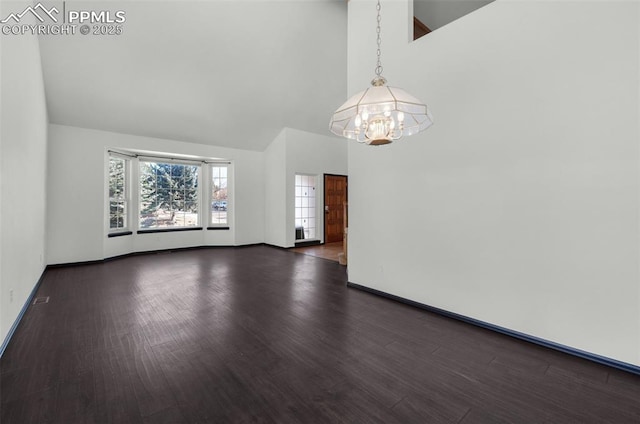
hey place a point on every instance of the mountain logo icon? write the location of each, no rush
(38, 11)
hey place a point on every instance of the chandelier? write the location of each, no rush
(380, 114)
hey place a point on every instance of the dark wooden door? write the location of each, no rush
(335, 199)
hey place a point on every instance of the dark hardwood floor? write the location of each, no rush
(262, 335)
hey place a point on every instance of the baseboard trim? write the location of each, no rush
(14, 327)
(153, 252)
(277, 247)
(80, 263)
(634, 369)
(243, 246)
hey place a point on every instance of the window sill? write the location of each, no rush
(168, 230)
(218, 228)
(119, 234)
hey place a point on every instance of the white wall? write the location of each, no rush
(23, 150)
(297, 152)
(275, 191)
(77, 210)
(311, 154)
(263, 191)
(519, 207)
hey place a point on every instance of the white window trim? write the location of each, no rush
(127, 196)
(133, 193)
(318, 218)
(230, 197)
(168, 160)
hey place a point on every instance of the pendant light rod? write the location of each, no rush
(379, 41)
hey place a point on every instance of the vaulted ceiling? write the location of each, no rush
(227, 73)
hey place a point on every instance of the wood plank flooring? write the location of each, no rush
(263, 335)
(328, 251)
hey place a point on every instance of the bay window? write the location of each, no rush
(166, 193)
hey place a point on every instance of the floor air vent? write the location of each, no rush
(39, 300)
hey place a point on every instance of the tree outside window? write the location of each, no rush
(168, 195)
(117, 193)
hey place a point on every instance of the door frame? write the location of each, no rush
(324, 202)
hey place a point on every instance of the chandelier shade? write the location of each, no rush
(380, 114)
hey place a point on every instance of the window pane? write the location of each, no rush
(113, 215)
(116, 177)
(191, 207)
(117, 217)
(219, 195)
(145, 168)
(117, 193)
(178, 218)
(305, 203)
(178, 205)
(167, 191)
(191, 195)
(162, 197)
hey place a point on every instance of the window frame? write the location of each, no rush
(199, 193)
(315, 218)
(126, 198)
(134, 192)
(217, 225)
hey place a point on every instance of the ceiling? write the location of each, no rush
(226, 73)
